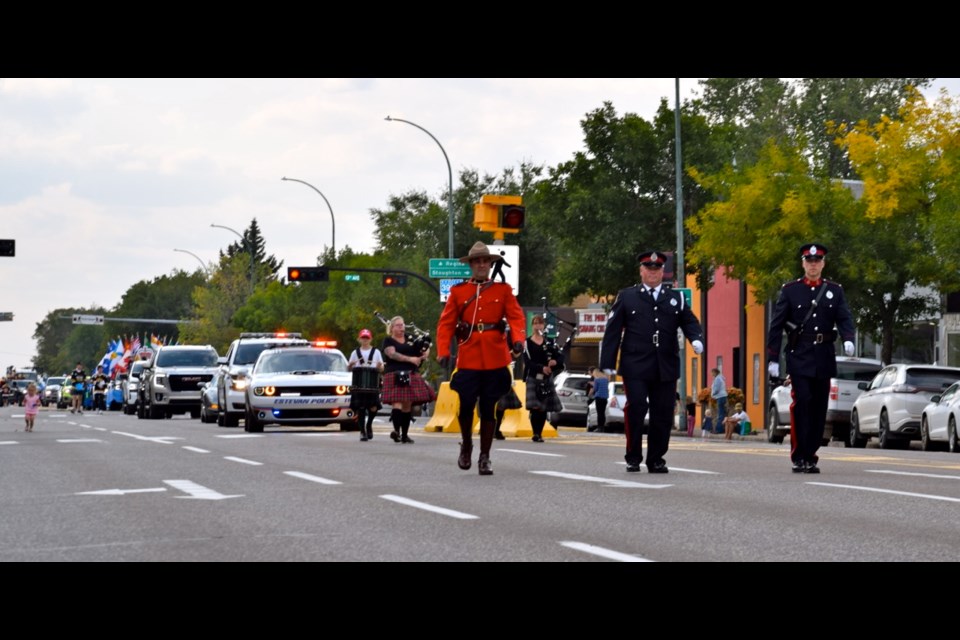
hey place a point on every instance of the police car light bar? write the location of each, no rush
(279, 334)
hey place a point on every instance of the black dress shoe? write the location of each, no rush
(658, 467)
(811, 468)
(406, 440)
(464, 461)
(799, 467)
(633, 468)
(484, 466)
(395, 436)
(363, 437)
(538, 438)
(499, 436)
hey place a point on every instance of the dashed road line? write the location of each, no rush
(534, 453)
(196, 449)
(908, 473)
(603, 552)
(243, 461)
(75, 440)
(607, 481)
(909, 494)
(307, 476)
(429, 507)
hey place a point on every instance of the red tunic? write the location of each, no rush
(486, 349)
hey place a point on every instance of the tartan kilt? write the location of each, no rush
(418, 391)
(365, 400)
(509, 400)
(551, 403)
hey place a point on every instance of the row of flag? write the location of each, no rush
(123, 350)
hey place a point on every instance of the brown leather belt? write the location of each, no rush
(480, 327)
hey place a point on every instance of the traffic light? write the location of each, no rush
(308, 274)
(6, 316)
(511, 216)
(394, 280)
(8, 248)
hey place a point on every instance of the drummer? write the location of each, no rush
(366, 362)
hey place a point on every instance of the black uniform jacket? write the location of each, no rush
(644, 332)
(814, 354)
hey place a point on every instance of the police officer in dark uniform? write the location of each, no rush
(809, 309)
(642, 327)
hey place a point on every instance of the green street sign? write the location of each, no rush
(687, 296)
(351, 277)
(448, 268)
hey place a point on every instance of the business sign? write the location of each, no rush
(448, 268)
(591, 323)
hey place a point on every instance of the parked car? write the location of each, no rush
(208, 398)
(614, 412)
(844, 391)
(572, 390)
(891, 405)
(939, 420)
(299, 385)
(130, 386)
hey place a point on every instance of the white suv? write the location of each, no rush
(238, 362)
(170, 380)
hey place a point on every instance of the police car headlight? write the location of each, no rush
(264, 391)
(238, 384)
(342, 390)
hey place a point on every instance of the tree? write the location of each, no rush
(265, 267)
(216, 301)
(168, 297)
(60, 344)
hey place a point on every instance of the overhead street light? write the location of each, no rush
(202, 263)
(333, 221)
(450, 175)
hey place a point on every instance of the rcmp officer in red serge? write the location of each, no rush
(642, 327)
(808, 309)
(477, 312)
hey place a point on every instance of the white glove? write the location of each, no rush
(697, 347)
(774, 369)
(848, 348)
(610, 372)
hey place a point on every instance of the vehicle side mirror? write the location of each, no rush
(935, 399)
(222, 360)
(201, 385)
(863, 386)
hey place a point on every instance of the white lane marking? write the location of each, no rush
(897, 493)
(72, 440)
(99, 429)
(533, 453)
(243, 460)
(683, 470)
(9, 442)
(196, 449)
(160, 439)
(85, 426)
(242, 435)
(57, 415)
(321, 434)
(429, 507)
(607, 481)
(602, 552)
(17, 415)
(196, 491)
(907, 473)
(307, 476)
(118, 492)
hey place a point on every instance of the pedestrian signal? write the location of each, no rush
(394, 280)
(511, 216)
(308, 274)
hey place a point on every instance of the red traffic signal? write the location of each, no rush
(8, 248)
(511, 216)
(394, 280)
(308, 274)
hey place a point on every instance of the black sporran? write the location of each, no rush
(403, 379)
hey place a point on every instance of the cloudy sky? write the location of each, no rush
(100, 180)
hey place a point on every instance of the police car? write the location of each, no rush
(299, 385)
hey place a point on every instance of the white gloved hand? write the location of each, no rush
(610, 372)
(774, 369)
(697, 347)
(848, 348)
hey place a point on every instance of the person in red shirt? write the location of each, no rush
(477, 313)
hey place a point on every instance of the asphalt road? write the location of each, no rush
(114, 488)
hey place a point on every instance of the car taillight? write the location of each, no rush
(834, 391)
(614, 404)
(565, 393)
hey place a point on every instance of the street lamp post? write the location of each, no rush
(247, 244)
(333, 222)
(202, 263)
(450, 175)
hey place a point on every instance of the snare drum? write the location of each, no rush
(366, 379)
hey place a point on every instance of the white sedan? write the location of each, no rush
(940, 419)
(299, 385)
(614, 413)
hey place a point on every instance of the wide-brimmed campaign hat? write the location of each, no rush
(480, 250)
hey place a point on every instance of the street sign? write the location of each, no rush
(83, 319)
(687, 296)
(351, 277)
(510, 268)
(6, 316)
(445, 287)
(448, 268)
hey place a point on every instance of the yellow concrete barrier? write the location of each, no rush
(516, 422)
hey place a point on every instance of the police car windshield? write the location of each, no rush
(247, 353)
(286, 362)
(187, 358)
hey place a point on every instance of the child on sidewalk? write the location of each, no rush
(31, 406)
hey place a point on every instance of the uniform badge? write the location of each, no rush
(673, 301)
(829, 294)
(813, 251)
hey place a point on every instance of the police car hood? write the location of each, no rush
(302, 378)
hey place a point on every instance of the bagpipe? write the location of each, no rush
(550, 345)
(416, 336)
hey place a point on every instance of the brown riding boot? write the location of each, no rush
(466, 444)
(487, 427)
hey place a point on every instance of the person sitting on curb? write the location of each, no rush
(733, 422)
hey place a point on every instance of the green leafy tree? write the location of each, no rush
(60, 343)
(265, 266)
(216, 302)
(168, 297)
